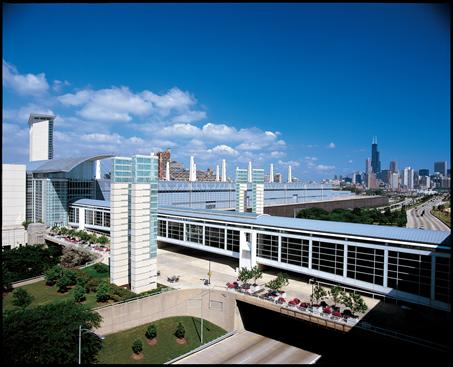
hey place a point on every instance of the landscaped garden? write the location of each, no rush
(89, 286)
(157, 342)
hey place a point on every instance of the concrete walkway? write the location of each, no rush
(249, 348)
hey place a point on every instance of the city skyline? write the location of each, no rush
(292, 107)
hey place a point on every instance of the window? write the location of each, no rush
(327, 257)
(267, 246)
(176, 230)
(215, 237)
(162, 228)
(194, 233)
(295, 251)
(232, 240)
(442, 288)
(366, 264)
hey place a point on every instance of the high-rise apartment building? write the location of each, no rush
(271, 173)
(133, 218)
(408, 178)
(375, 162)
(41, 137)
(394, 181)
(290, 176)
(163, 158)
(441, 167)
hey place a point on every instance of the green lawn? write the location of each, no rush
(44, 294)
(117, 347)
(444, 217)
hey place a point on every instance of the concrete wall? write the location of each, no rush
(185, 302)
(351, 203)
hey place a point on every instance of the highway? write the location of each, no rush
(415, 219)
(246, 347)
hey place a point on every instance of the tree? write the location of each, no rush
(336, 294)
(279, 282)
(83, 279)
(180, 331)
(137, 346)
(53, 274)
(347, 300)
(319, 293)
(47, 334)
(6, 280)
(21, 298)
(63, 283)
(358, 304)
(25, 223)
(101, 268)
(79, 294)
(151, 332)
(257, 273)
(245, 275)
(103, 240)
(75, 257)
(102, 294)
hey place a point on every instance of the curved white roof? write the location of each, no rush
(63, 164)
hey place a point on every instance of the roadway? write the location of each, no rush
(246, 347)
(415, 219)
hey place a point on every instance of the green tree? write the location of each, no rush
(47, 334)
(137, 346)
(63, 283)
(101, 268)
(83, 279)
(319, 293)
(257, 273)
(245, 275)
(53, 274)
(279, 282)
(103, 240)
(21, 298)
(6, 280)
(358, 304)
(102, 294)
(180, 331)
(79, 294)
(25, 223)
(151, 332)
(336, 294)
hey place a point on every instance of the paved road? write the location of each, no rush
(250, 348)
(427, 221)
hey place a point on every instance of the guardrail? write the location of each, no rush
(201, 347)
(19, 282)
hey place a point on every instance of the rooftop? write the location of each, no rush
(62, 164)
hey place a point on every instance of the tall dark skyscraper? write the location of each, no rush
(423, 172)
(441, 167)
(393, 167)
(375, 162)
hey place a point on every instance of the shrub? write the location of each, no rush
(83, 279)
(180, 331)
(75, 257)
(102, 294)
(21, 298)
(137, 346)
(245, 275)
(151, 332)
(72, 276)
(120, 292)
(53, 274)
(63, 283)
(93, 284)
(79, 294)
(319, 293)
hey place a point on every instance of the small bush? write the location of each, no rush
(79, 294)
(93, 284)
(151, 332)
(21, 298)
(137, 346)
(180, 331)
(63, 283)
(53, 274)
(102, 294)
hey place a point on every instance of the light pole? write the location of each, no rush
(80, 340)
(201, 315)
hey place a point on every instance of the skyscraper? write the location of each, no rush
(241, 189)
(258, 191)
(271, 173)
(393, 167)
(41, 137)
(423, 172)
(441, 167)
(375, 162)
(224, 178)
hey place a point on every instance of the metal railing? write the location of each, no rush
(201, 347)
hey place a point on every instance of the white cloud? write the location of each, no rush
(75, 99)
(22, 114)
(323, 168)
(350, 161)
(277, 154)
(58, 85)
(25, 84)
(223, 149)
(289, 163)
(331, 145)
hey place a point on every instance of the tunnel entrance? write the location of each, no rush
(355, 346)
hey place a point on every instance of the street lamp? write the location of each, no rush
(80, 340)
(201, 315)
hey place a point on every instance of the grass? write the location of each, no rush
(117, 347)
(43, 294)
(444, 217)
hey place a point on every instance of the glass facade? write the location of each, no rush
(56, 202)
(409, 273)
(194, 233)
(366, 264)
(176, 230)
(162, 227)
(442, 288)
(295, 251)
(327, 257)
(215, 237)
(267, 246)
(233, 240)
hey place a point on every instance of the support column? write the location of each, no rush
(279, 248)
(345, 261)
(386, 266)
(310, 252)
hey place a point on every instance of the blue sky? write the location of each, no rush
(301, 84)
